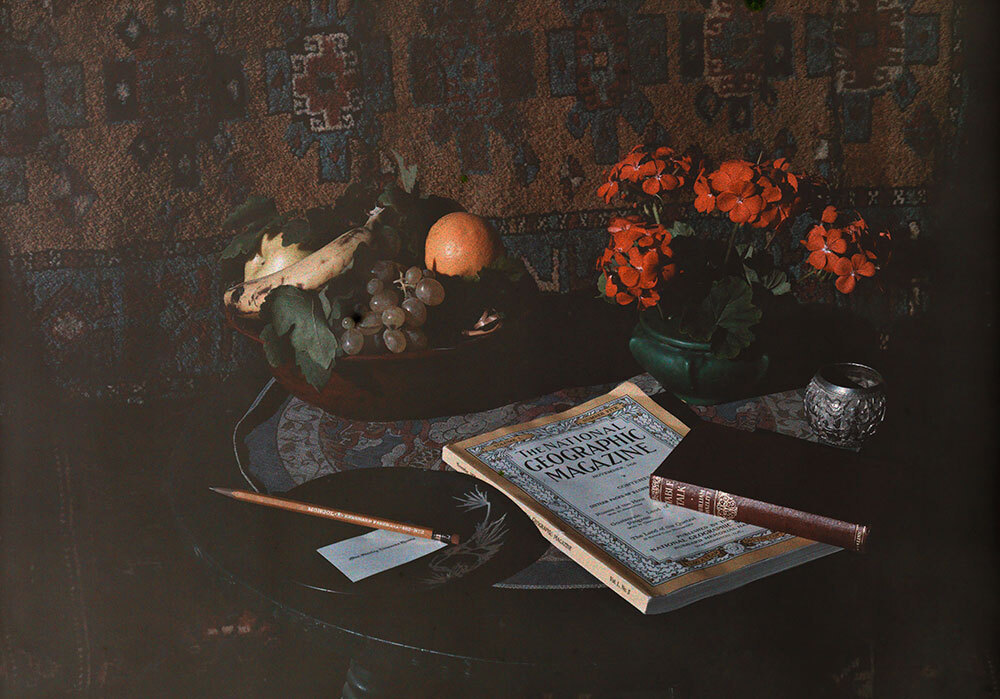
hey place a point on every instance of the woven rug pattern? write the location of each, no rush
(127, 132)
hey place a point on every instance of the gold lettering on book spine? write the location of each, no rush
(860, 534)
(725, 505)
(704, 501)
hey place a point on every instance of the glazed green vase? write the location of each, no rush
(689, 369)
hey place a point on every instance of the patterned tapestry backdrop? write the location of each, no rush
(127, 130)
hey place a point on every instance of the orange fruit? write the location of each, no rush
(460, 244)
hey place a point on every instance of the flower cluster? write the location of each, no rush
(648, 172)
(849, 251)
(754, 196)
(760, 195)
(637, 258)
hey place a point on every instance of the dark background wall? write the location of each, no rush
(128, 130)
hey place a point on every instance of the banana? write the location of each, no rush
(244, 300)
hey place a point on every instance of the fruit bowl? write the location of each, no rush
(406, 386)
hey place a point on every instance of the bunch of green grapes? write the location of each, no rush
(397, 301)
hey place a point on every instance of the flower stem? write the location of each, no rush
(656, 213)
(732, 239)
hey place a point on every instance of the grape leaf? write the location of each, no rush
(413, 215)
(251, 217)
(247, 242)
(253, 209)
(336, 305)
(298, 315)
(277, 349)
(407, 175)
(510, 267)
(298, 230)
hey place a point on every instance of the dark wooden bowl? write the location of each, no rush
(411, 385)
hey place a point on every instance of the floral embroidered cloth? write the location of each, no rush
(299, 442)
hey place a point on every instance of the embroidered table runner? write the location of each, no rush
(298, 442)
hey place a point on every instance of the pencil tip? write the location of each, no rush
(220, 491)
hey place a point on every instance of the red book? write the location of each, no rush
(768, 480)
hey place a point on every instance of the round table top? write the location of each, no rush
(799, 614)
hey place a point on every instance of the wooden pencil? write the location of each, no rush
(306, 508)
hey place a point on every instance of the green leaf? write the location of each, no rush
(511, 267)
(299, 315)
(333, 305)
(277, 224)
(602, 284)
(774, 280)
(731, 301)
(325, 304)
(253, 209)
(407, 175)
(247, 242)
(679, 229)
(243, 244)
(724, 317)
(297, 230)
(389, 195)
(277, 349)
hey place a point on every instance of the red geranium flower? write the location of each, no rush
(631, 168)
(824, 247)
(742, 205)
(731, 176)
(848, 270)
(661, 180)
(769, 192)
(608, 190)
(705, 199)
(632, 262)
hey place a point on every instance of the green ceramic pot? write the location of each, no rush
(689, 369)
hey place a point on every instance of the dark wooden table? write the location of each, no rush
(794, 634)
(779, 634)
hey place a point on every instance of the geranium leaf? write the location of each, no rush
(774, 281)
(679, 229)
(299, 315)
(724, 317)
(731, 305)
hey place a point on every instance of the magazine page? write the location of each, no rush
(591, 465)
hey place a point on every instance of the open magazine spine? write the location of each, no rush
(555, 532)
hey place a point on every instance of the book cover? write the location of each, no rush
(769, 480)
(583, 478)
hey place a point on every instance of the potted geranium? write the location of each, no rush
(701, 296)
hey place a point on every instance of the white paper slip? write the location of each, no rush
(362, 556)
